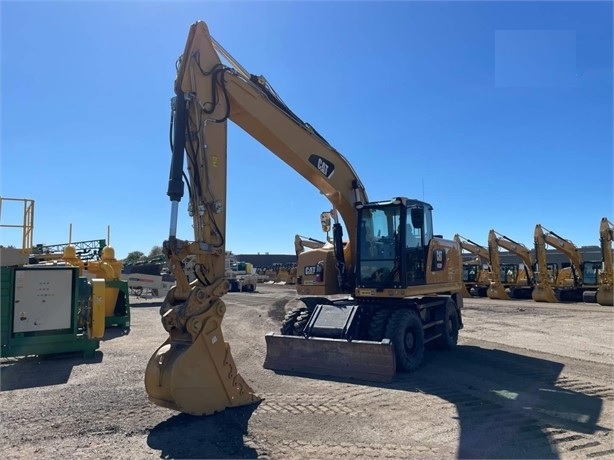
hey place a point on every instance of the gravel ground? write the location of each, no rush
(527, 381)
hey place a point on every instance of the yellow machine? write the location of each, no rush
(571, 282)
(508, 281)
(46, 307)
(302, 242)
(404, 280)
(285, 274)
(477, 274)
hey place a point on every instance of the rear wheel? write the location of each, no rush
(405, 331)
(377, 325)
(449, 337)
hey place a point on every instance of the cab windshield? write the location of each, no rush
(378, 258)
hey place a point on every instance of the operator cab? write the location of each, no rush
(393, 244)
(590, 272)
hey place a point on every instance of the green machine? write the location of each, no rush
(50, 309)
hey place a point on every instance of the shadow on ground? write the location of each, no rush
(145, 303)
(505, 402)
(215, 436)
(277, 311)
(38, 371)
(111, 333)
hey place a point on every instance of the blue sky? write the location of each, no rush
(498, 114)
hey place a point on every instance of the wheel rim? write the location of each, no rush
(409, 341)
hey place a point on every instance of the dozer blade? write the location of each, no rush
(358, 359)
(197, 376)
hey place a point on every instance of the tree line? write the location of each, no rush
(136, 256)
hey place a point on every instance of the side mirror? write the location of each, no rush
(325, 219)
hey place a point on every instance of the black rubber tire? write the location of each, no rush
(287, 325)
(405, 331)
(301, 322)
(449, 339)
(377, 325)
(233, 286)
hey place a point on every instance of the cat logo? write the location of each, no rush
(324, 166)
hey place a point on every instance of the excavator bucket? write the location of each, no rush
(194, 372)
(465, 292)
(543, 294)
(497, 291)
(605, 295)
(357, 359)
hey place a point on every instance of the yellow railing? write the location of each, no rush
(27, 224)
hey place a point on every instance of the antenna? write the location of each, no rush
(108, 235)
(70, 234)
(423, 189)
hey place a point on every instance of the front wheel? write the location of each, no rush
(405, 331)
(289, 322)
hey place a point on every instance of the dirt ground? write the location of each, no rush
(528, 380)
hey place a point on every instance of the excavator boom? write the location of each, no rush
(496, 290)
(193, 371)
(512, 288)
(605, 291)
(479, 282)
(565, 288)
(543, 290)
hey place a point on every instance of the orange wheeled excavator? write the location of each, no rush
(402, 281)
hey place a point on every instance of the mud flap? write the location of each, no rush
(357, 359)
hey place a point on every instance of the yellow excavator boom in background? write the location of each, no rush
(477, 279)
(570, 282)
(521, 284)
(302, 242)
(605, 291)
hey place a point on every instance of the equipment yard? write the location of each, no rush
(528, 380)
